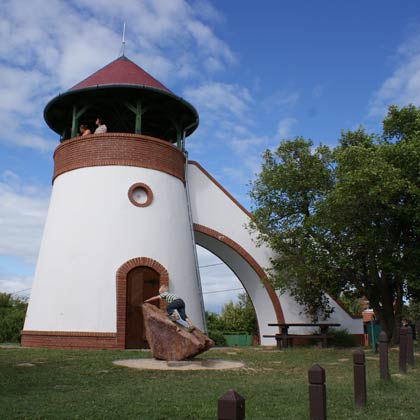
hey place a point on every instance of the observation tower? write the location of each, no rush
(118, 224)
(126, 212)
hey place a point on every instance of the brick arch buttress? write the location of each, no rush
(251, 261)
(122, 290)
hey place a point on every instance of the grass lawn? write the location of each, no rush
(73, 384)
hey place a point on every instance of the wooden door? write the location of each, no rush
(142, 283)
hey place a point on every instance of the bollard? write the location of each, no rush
(403, 350)
(410, 347)
(383, 356)
(317, 393)
(359, 373)
(231, 406)
(418, 334)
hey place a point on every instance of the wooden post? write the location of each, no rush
(284, 337)
(359, 373)
(317, 393)
(403, 350)
(383, 356)
(410, 346)
(231, 406)
(418, 334)
(279, 340)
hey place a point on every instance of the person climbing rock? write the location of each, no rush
(175, 307)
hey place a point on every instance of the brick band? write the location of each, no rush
(122, 149)
(251, 261)
(69, 339)
(98, 340)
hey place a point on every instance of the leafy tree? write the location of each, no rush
(351, 302)
(345, 220)
(216, 328)
(12, 317)
(240, 316)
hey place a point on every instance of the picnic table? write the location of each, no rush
(284, 339)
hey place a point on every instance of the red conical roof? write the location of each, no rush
(121, 71)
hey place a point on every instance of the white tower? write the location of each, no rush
(121, 222)
(118, 224)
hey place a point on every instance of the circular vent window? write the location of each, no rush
(140, 195)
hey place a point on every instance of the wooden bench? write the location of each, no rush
(284, 339)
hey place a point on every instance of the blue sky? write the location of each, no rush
(257, 72)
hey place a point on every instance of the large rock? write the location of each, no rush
(166, 342)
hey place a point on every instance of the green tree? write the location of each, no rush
(12, 317)
(240, 316)
(216, 328)
(345, 220)
(293, 181)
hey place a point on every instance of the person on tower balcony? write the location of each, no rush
(84, 130)
(175, 307)
(101, 126)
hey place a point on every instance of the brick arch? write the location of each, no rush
(122, 290)
(251, 261)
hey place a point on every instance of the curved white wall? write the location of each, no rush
(92, 229)
(249, 279)
(214, 209)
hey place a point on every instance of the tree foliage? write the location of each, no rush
(345, 219)
(240, 316)
(235, 317)
(12, 317)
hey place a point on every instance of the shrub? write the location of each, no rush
(342, 338)
(217, 337)
(12, 317)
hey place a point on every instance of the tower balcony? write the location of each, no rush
(119, 149)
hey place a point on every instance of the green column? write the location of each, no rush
(137, 129)
(74, 121)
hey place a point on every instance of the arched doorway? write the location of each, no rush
(142, 283)
(137, 280)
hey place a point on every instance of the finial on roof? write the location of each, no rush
(123, 42)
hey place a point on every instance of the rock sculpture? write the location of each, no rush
(168, 341)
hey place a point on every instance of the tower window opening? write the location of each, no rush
(140, 195)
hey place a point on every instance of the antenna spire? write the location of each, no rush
(123, 42)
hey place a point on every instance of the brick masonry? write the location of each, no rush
(251, 261)
(146, 189)
(97, 340)
(122, 149)
(69, 339)
(122, 291)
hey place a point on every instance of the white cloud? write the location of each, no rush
(13, 284)
(281, 99)
(207, 11)
(22, 216)
(220, 100)
(284, 127)
(46, 49)
(318, 91)
(403, 86)
(220, 285)
(243, 145)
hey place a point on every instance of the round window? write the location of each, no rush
(140, 195)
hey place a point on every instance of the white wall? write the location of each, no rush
(92, 229)
(213, 208)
